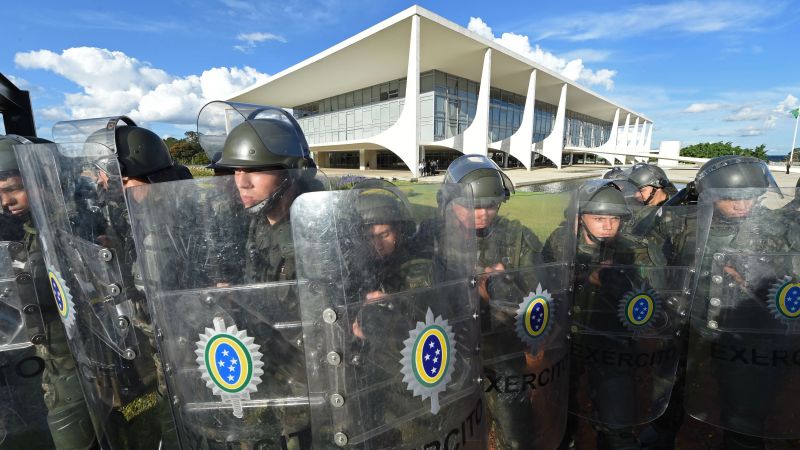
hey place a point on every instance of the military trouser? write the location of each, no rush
(68, 417)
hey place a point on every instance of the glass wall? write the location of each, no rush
(448, 105)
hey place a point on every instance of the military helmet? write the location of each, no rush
(139, 151)
(490, 186)
(605, 199)
(644, 174)
(265, 143)
(734, 172)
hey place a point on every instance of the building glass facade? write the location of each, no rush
(448, 105)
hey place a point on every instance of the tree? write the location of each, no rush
(714, 149)
(187, 150)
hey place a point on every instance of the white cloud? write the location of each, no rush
(250, 40)
(572, 69)
(703, 107)
(113, 83)
(673, 17)
(787, 104)
(747, 113)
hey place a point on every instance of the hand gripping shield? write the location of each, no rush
(224, 301)
(524, 318)
(391, 332)
(632, 294)
(744, 346)
(78, 206)
(23, 416)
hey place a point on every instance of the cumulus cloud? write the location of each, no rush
(747, 113)
(690, 17)
(703, 107)
(113, 83)
(251, 40)
(571, 69)
(787, 104)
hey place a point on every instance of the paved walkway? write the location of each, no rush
(522, 177)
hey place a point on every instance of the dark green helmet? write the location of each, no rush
(490, 186)
(377, 205)
(734, 172)
(141, 152)
(604, 199)
(644, 174)
(615, 173)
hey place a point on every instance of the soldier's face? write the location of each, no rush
(734, 208)
(477, 218)
(383, 238)
(255, 187)
(604, 227)
(13, 196)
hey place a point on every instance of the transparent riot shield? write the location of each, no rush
(631, 298)
(744, 346)
(220, 279)
(390, 316)
(78, 206)
(526, 294)
(23, 414)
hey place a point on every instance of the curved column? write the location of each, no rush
(475, 139)
(622, 141)
(611, 143)
(402, 138)
(553, 144)
(648, 141)
(521, 142)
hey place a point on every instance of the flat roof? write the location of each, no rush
(380, 53)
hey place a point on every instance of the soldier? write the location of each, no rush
(248, 310)
(625, 314)
(744, 303)
(67, 417)
(91, 265)
(654, 186)
(405, 375)
(525, 364)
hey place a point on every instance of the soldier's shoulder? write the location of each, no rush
(511, 228)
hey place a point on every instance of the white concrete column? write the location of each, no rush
(522, 140)
(632, 136)
(553, 145)
(476, 136)
(648, 141)
(362, 160)
(642, 136)
(403, 137)
(622, 142)
(611, 143)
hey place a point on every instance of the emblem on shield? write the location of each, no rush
(428, 358)
(637, 308)
(230, 364)
(64, 304)
(533, 316)
(784, 301)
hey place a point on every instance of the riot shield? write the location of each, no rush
(524, 319)
(230, 333)
(632, 294)
(23, 414)
(78, 206)
(744, 346)
(390, 316)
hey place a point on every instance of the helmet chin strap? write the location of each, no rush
(652, 194)
(593, 238)
(268, 204)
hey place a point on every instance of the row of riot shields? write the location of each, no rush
(382, 338)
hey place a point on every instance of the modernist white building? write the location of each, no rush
(418, 87)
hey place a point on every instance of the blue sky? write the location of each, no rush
(703, 71)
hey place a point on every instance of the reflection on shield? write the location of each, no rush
(744, 344)
(390, 318)
(23, 414)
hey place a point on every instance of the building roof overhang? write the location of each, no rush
(380, 53)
